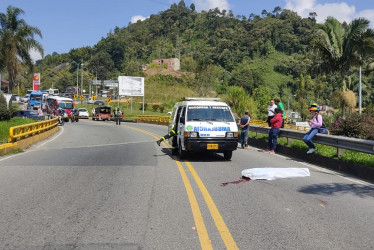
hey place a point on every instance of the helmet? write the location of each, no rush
(314, 109)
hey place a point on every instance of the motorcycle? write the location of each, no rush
(62, 116)
(74, 115)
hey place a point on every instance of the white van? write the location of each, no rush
(203, 124)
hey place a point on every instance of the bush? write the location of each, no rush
(354, 125)
(155, 107)
(162, 108)
(145, 106)
(5, 113)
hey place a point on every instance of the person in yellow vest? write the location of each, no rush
(118, 116)
(165, 137)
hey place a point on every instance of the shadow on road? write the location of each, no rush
(339, 189)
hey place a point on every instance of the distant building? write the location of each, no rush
(173, 63)
(4, 86)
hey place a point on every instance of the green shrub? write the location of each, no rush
(5, 113)
(145, 106)
(153, 65)
(354, 125)
(155, 107)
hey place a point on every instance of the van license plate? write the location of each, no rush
(212, 146)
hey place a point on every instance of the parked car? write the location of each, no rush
(25, 98)
(15, 98)
(99, 102)
(29, 114)
(90, 101)
(83, 113)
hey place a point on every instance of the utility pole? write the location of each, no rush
(82, 77)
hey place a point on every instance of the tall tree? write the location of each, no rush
(16, 41)
(341, 48)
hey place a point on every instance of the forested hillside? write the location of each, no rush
(244, 59)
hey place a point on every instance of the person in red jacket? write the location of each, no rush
(275, 124)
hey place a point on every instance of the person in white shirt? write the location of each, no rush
(271, 111)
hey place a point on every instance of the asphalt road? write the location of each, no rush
(95, 185)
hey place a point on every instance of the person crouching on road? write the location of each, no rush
(275, 124)
(315, 123)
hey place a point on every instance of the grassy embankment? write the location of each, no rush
(5, 125)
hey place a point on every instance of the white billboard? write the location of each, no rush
(130, 86)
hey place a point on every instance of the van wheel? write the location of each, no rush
(227, 155)
(174, 150)
(181, 152)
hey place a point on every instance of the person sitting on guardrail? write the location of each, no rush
(276, 124)
(315, 123)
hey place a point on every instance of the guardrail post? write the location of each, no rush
(289, 141)
(340, 151)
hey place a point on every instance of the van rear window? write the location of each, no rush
(209, 113)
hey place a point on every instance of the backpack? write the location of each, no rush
(322, 129)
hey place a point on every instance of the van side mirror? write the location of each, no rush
(182, 119)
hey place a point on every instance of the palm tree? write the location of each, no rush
(16, 41)
(342, 48)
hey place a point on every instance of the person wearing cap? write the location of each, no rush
(244, 125)
(315, 123)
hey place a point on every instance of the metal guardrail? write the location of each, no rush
(153, 119)
(286, 126)
(23, 131)
(290, 131)
(339, 142)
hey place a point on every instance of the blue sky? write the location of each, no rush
(72, 24)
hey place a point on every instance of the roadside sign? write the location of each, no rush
(108, 99)
(81, 97)
(93, 98)
(75, 96)
(127, 101)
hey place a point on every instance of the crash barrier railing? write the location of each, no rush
(153, 119)
(23, 131)
(286, 126)
(339, 142)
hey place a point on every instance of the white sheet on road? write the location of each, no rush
(274, 173)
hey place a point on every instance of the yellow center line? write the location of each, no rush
(220, 224)
(198, 218)
(200, 226)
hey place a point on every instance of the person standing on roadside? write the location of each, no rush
(244, 125)
(276, 123)
(271, 111)
(281, 107)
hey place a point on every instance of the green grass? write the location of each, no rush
(127, 109)
(5, 125)
(13, 152)
(328, 151)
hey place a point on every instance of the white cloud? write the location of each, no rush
(340, 10)
(368, 14)
(211, 4)
(35, 55)
(134, 19)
